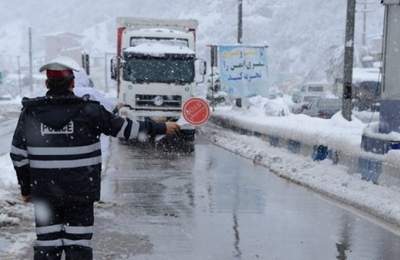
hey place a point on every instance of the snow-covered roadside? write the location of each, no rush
(16, 224)
(16, 217)
(336, 133)
(323, 177)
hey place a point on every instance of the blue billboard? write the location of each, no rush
(243, 70)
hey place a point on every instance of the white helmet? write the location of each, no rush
(61, 63)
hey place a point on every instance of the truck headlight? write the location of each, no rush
(158, 101)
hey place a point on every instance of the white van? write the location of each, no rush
(309, 92)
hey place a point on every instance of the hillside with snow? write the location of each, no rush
(304, 36)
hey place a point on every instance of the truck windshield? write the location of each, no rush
(170, 69)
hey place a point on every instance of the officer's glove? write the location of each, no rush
(172, 128)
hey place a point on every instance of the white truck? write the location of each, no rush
(156, 68)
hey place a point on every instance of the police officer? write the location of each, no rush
(57, 157)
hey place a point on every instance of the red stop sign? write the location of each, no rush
(196, 111)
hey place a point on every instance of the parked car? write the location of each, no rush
(309, 92)
(323, 107)
(366, 94)
(303, 103)
(312, 89)
(366, 89)
(274, 93)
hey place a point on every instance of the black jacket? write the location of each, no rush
(56, 148)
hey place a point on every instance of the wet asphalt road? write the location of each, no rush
(215, 205)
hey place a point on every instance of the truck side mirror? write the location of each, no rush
(201, 69)
(113, 68)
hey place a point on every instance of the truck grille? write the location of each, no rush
(168, 101)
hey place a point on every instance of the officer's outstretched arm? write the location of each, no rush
(19, 156)
(116, 126)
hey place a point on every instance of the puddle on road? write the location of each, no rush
(4, 244)
(114, 245)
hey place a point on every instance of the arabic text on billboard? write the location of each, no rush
(243, 70)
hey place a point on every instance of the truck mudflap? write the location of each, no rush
(188, 134)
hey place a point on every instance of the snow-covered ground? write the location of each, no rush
(272, 117)
(324, 177)
(16, 223)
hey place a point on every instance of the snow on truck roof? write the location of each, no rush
(163, 30)
(159, 49)
(178, 24)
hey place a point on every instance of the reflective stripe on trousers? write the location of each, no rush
(63, 227)
(68, 230)
(63, 242)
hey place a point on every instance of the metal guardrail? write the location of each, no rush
(369, 166)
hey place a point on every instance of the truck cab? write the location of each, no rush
(156, 68)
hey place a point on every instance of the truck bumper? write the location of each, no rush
(140, 114)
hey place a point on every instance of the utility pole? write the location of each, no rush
(238, 101)
(380, 141)
(240, 22)
(19, 76)
(214, 63)
(364, 35)
(30, 61)
(390, 103)
(348, 60)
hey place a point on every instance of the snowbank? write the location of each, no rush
(336, 133)
(15, 216)
(268, 107)
(304, 134)
(8, 178)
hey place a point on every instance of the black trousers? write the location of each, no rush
(63, 226)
